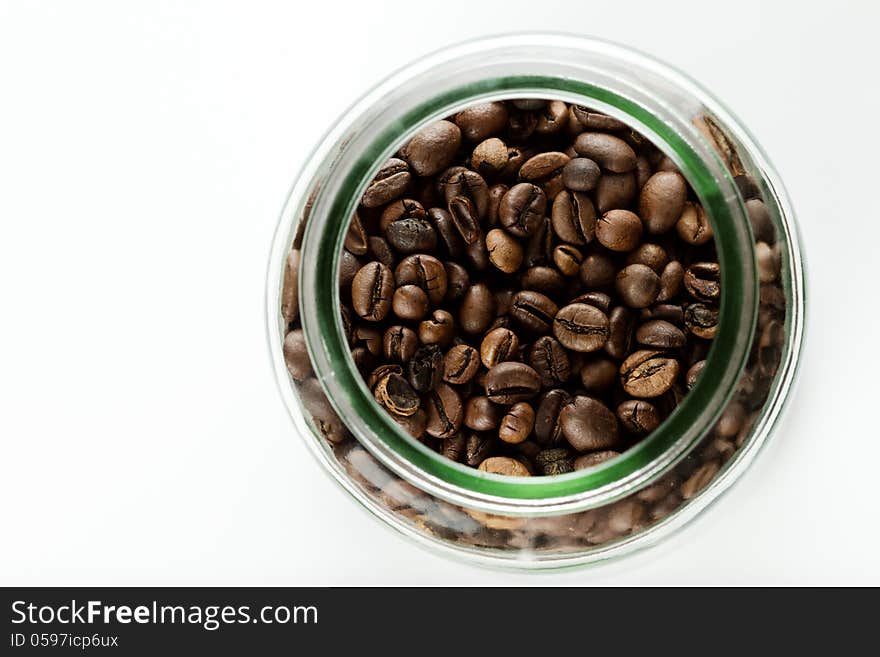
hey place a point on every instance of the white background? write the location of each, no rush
(145, 152)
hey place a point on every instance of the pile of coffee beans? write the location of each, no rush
(529, 287)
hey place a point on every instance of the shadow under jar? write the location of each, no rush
(428, 491)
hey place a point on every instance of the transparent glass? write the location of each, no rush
(653, 488)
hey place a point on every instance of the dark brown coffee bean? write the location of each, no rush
(598, 271)
(462, 182)
(480, 414)
(381, 372)
(672, 313)
(671, 279)
(445, 412)
(510, 382)
(399, 344)
(533, 311)
(522, 209)
(621, 322)
(574, 218)
(465, 218)
(693, 225)
(496, 193)
(545, 170)
(439, 329)
(638, 417)
(701, 280)
(693, 374)
(296, 356)
(517, 424)
(581, 175)
(548, 431)
(598, 375)
(477, 256)
(521, 125)
(550, 360)
(643, 170)
(368, 337)
(581, 327)
(390, 182)
(395, 394)
(490, 157)
(433, 148)
(411, 235)
(762, 224)
(650, 255)
(648, 373)
(461, 364)
(410, 302)
(504, 465)
(551, 118)
(567, 259)
(356, 237)
(554, 461)
(478, 448)
(348, 267)
(637, 285)
(482, 120)
(371, 291)
(477, 309)
(619, 230)
(588, 424)
(615, 191)
(661, 201)
(363, 359)
(457, 281)
(539, 250)
(591, 460)
(413, 424)
(546, 280)
(701, 320)
(593, 120)
(325, 419)
(769, 262)
(660, 334)
(504, 251)
(426, 368)
(448, 235)
(608, 151)
(499, 345)
(599, 300)
(424, 271)
(454, 448)
(380, 250)
(699, 479)
(405, 208)
(515, 159)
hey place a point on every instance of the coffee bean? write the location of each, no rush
(504, 251)
(504, 465)
(637, 285)
(480, 414)
(701, 280)
(510, 382)
(693, 225)
(661, 201)
(517, 424)
(482, 120)
(539, 249)
(567, 259)
(490, 157)
(554, 461)
(598, 375)
(581, 175)
(693, 374)
(465, 218)
(410, 302)
(545, 170)
(425, 271)
(550, 360)
(348, 267)
(433, 148)
(380, 250)
(533, 311)
(325, 419)
(405, 208)
(546, 280)
(521, 125)
(356, 237)
(597, 271)
(548, 431)
(588, 424)
(668, 312)
(462, 182)
(619, 230)
(498, 345)
(593, 120)
(371, 291)
(769, 262)
(477, 309)
(461, 364)
(608, 151)
(599, 300)
(414, 424)
(448, 235)
(551, 118)
(399, 344)
(701, 320)
(381, 372)
(290, 286)
(660, 334)
(648, 373)
(411, 235)
(368, 337)
(671, 279)
(759, 217)
(454, 448)
(445, 412)
(581, 327)
(478, 448)
(390, 182)
(699, 479)
(522, 209)
(591, 460)
(477, 255)
(650, 255)
(395, 394)
(296, 356)
(457, 281)
(574, 217)
(426, 368)
(439, 329)
(638, 417)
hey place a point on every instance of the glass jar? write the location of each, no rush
(652, 489)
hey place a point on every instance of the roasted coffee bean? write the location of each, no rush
(505, 252)
(457, 281)
(701, 280)
(478, 448)
(296, 356)
(668, 312)
(581, 327)
(465, 218)
(511, 382)
(356, 237)
(648, 373)
(448, 235)
(599, 300)
(769, 262)
(411, 235)
(550, 360)
(381, 372)
(693, 374)
(701, 320)
(368, 337)
(567, 259)
(638, 417)
(414, 424)
(637, 285)
(551, 118)
(445, 412)
(348, 268)
(581, 175)
(480, 414)
(548, 431)
(759, 217)
(433, 148)
(574, 218)
(619, 230)
(363, 359)
(405, 208)
(380, 250)
(699, 479)
(477, 309)
(390, 182)
(522, 209)
(504, 465)
(650, 255)
(554, 461)
(426, 368)
(290, 286)
(426, 272)
(477, 255)
(693, 225)
(671, 279)
(521, 125)
(533, 311)
(661, 201)
(545, 170)
(598, 271)
(539, 250)
(517, 424)
(410, 302)
(461, 364)
(593, 120)
(608, 151)
(660, 334)
(489, 158)
(482, 120)
(498, 345)
(395, 394)
(515, 159)
(496, 193)
(399, 344)
(546, 280)
(615, 191)
(462, 182)
(318, 407)
(439, 329)
(371, 291)
(598, 375)
(588, 424)
(593, 459)
(643, 171)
